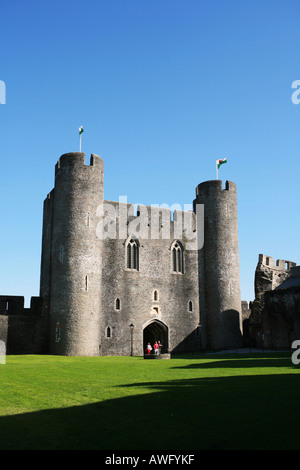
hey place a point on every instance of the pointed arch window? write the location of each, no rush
(132, 254)
(177, 257)
(118, 304)
(108, 332)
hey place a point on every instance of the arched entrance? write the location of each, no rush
(156, 331)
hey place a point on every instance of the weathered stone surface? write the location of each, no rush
(219, 271)
(94, 303)
(269, 275)
(281, 318)
(275, 311)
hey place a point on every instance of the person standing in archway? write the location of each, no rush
(156, 347)
(149, 348)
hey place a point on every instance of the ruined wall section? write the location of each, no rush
(269, 275)
(24, 330)
(281, 318)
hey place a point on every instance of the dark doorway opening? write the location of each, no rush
(156, 331)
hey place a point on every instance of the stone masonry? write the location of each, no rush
(114, 277)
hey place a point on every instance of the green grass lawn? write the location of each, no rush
(128, 403)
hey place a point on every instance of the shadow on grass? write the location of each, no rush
(242, 363)
(245, 412)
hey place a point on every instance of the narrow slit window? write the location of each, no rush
(108, 332)
(57, 332)
(190, 307)
(155, 296)
(61, 253)
(118, 304)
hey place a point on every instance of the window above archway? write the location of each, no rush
(132, 254)
(177, 257)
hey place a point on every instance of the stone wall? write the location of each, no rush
(97, 304)
(151, 295)
(281, 317)
(267, 326)
(24, 330)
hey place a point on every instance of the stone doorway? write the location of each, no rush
(156, 331)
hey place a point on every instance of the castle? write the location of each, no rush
(113, 279)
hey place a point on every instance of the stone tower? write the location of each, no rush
(71, 256)
(219, 273)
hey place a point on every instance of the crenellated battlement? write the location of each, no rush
(209, 187)
(133, 211)
(15, 305)
(281, 265)
(122, 219)
(77, 161)
(269, 275)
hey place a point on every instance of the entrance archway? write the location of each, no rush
(156, 331)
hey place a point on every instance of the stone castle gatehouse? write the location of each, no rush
(114, 277)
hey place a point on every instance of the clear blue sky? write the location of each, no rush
(162, 88)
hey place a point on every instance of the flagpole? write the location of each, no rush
(217, 169)
(80, 132)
